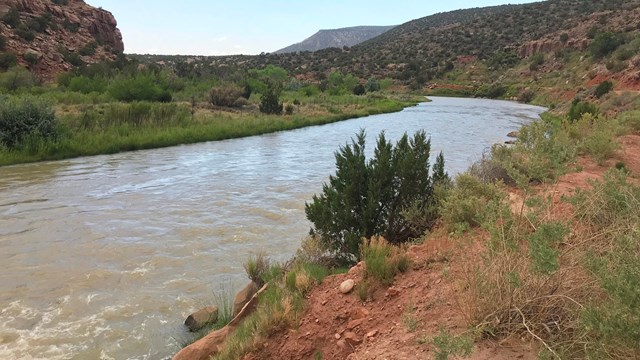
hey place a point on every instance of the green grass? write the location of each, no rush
(117, 134)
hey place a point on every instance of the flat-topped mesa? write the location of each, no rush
(56, 35)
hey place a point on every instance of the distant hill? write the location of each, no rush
(337, 38)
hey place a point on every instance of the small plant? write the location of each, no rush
(12, 18)
(270, 101)
(257, 268)
(289, 109)
(31, 58)
(536, 61)
(449, 345)
(409, 319)
(225, 95)
(3, 43)
(579, 108)
(7, 60)
(382, 260)
(603, 88)
(359, 90)
(362, 289)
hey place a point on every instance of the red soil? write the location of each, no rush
(343, 327)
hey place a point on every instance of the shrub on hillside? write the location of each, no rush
(12, 18)
(579, 108)
(3, 42)
(270, 101)
(604, 88)
(367, 198)
(25, 118)
(605, 43)
(7, 60)
(85, 85)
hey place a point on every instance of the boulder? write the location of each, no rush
(202, 318)
(211, 344)
(352, 339)
(243, 297)
(347, 286)
(513, 134)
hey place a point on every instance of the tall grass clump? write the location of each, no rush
(382, 261)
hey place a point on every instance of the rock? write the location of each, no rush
(372, 333)
(359, 313)
(342, 344)
(392, 291)
(351, 338)
(243, 297)
(355, 268)
(347, 286)
(513, 134)
(354, 324)
(212, 344)
(202, 318)
(337, 336)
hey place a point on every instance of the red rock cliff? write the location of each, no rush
(72, 31)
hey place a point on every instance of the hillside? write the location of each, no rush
(50, 37)
(425, 49)
(337, 38)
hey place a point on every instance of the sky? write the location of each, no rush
(249, 27)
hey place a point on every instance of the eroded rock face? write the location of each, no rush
(72, 28)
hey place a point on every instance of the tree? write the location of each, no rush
(359, 90)
(604, 44)
(364, 199)
(270, 100)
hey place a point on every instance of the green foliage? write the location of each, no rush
(536, 60)
(12, 18)
(25, 33)
(382, 260)
(449, 345)
(7, 60)
(60, 2)
(25, 118)
(544, 247)
(257, 268)
(87, 85)
(39, 24)
(604, 44)
(359, 90)
(88, 49)
(466, 204)
(364, 199)
(503, 59)
(270, 100)
(141, 87)
(372, 85)
(603, 88)
(17, 78)
(31, 58)
(3, 42)
(630, 120)
(579, 108)
(289, 109)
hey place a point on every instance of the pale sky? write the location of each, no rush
(225, 27)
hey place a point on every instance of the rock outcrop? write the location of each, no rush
(58, 34)
(549, 46)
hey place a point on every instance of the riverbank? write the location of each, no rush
(108, 128)
(488, 284)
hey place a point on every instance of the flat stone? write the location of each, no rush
(352, 339)
(347, 286)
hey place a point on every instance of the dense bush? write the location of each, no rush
(142, 87)
(579, 108)
(25, 118)
(225, 95)
(364, 199)
(16, 78)
(604, 88)
(605, 43)
(270, 100)
(3, 42)
(7, 60)
(359, 90)
(12, 18)
(87, 85)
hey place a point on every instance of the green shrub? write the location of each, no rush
(25, 33)
(605, 43)
(141, 87)
(382, 261)
(359, 90)
(88, 49)
(536, 60)
(31, 58)
(12, 18)
(603, 88)
(17, 78)
(87, 85)
(579, 108)
(630, 120)
(25, 118)
(7, 60)
(364, 199)
(449, 345)
(270, 100)
(466, 203)
(3, 42)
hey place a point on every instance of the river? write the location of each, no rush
(103, 257)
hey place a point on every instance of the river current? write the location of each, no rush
(103, 257)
